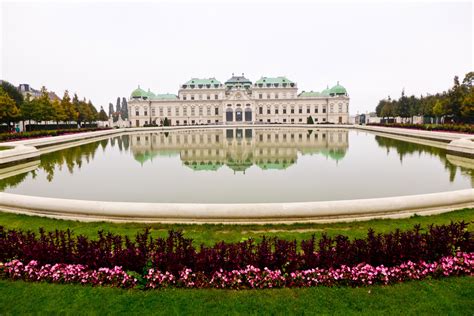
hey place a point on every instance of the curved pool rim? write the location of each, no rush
(231, 213)
(248, 213)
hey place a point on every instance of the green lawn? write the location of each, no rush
(209, 234)
(452, 296)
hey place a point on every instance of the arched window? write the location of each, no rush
(229, 115)
(248, 115)
(238, 115)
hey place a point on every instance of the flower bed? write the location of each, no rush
(175, 252)
(48, 133)
(247, 278)
(459, 128)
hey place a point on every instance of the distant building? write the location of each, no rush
(237, 101)
(26, 90)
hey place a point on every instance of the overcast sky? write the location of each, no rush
(102, 50)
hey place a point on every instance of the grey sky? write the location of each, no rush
(104, 50)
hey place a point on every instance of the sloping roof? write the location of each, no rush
(273, 80)
(204, 81)
(308, 94)
(203, 166)
(325, 92)
(165, 96)
(277, 165)
(238, 80)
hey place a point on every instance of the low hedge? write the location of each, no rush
(175, 252)
(35, 134)
(460, 128)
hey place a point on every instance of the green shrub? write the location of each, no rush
(460, 128)
(35, 134)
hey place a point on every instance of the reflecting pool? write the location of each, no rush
(242, 165)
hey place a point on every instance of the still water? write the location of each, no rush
(241, 166)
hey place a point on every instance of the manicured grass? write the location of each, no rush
(209, 234)
(451, 296)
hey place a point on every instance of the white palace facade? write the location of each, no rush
(239, 101)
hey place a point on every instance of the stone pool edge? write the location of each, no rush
(248, 213)
(256, 213)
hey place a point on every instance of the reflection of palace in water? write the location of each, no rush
(240, 148)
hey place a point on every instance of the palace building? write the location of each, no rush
(239, 101)
(240, 148)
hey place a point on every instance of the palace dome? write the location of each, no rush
(139, 94)
(338, 90)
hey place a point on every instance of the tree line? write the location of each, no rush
(455, 105)
(121, 110)
(14, 107)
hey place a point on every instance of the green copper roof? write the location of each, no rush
(203, 166)
(238, 80)
(273, 80)
(325, 92)
(335, 154)
(168, 153)
(150, 94)
(165, 96)
(239, 165)
(198, 81)
(143, 157)
(310, 94)
(338, 90)
(139, 93)
(277, 165)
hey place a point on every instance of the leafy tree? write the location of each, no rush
(111, 109)
(102, 115)
(379, 107)
(426, 106)
(9, 112)
(59, 111)
(77, 108)
(69, 109)
(455, 98)
(43, 108)
(124, 109)
(309, 120)
(467, 104)
(403, 106)
(456, 104)
(439, 109)
(166, 122)
(13, 92)
(117, 107)
(27, 109)
(92, 112)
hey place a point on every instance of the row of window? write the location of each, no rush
(199, 97)
(284, 137)
(261, 110)
(215, 138)
(184, 111)
(276, 95)
(307, 110)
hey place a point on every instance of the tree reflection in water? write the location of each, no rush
(405, 148)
